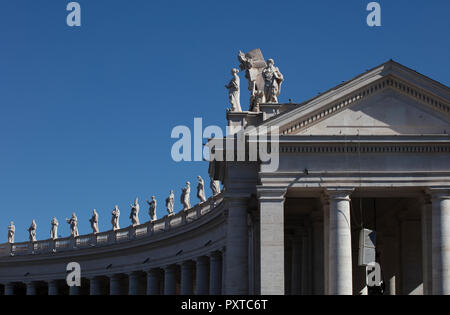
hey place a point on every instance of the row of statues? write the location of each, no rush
(264, 81)
(134, 215)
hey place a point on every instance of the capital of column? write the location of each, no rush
(170, 268)
(339, 193)
(271, 194)
(440, 193)
(215, 255)
(203, 260)
(187, 264)
(154, 271)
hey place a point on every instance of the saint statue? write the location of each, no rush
(186, 197)
(272, 82)
(73, 221)
(234, 91)
(11, 233)
(134, 215)
(54, 229)
(32, 231)
(115, 218)
(152, 210)
(94, 222)
(201, 190)
(215, 187)
(170, 203)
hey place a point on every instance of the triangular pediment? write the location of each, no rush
(388, 100)
(385, 113)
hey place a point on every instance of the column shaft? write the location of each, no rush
(31, 288)
(137, 283)
(326, 243)
(271, 204)
(153, 280)
(118, 285)
(296, 265)
(95, 286)
(215, 278)
(74, 290)
(187, 278)
(9, 289)
(318, 265)
(305, 257)
(441, 243)
(340, 246)
(170, 280)
(202, 276)
(426, 246)
(53, 287)
(237, 247)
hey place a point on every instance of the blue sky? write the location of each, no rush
(86, 113)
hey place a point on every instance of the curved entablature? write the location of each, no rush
(144, 231)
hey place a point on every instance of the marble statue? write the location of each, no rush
(272, 82)
(170, 203)
(134, 215)
(11, 233)
(94, 222)
(234, 91)
(32, 231)
(73, 221)
(152, 209)
(54, 229)
(201, 190)
(215, 187)
(186, 197)
(253, 63)
(115, 218)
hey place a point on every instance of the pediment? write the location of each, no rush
(385, 113)
(388, 100)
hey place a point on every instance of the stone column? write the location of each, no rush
(170, 280)
(9, 288)
(441, 241)
(187, 278)
(318, 259)
(296, 264)
(288, 263)
(117, 285)
(325, 202)
(426, 244)
(137, 283)
(95, 286)
(340, 243)
(53, 287)
(271, 204)
(202, 276)
(215, 278)
(74, 290)
(389, 262)
(411, 251)
(153, 278)
(237, 247)
(305, 257)
(31, 288)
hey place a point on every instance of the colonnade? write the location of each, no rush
(202, 276)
